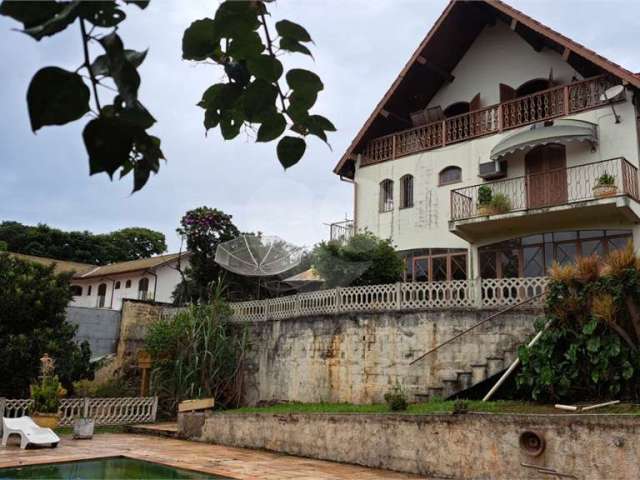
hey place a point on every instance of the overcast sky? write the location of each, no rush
(360, 47)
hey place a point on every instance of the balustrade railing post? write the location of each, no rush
(85, 407)
(500, 117)
(566, 99)
(477, 292)
(393, 147)
(444, 133)
(154, 409)
(338, 300)
(399, 295)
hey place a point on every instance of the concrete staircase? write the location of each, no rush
(456, 382)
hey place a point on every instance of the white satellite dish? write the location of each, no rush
(609, 95)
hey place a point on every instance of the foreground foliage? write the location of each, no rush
(33, 301)
(85, 247)
(197, 353)
(590, 350)
(363, 260)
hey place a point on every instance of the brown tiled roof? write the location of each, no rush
(131, 266)
(61, 266)
(429, 41)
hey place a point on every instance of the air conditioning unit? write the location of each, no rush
(491, 170)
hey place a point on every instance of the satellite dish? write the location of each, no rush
(611, 93)
(608, 96)
(258, 255)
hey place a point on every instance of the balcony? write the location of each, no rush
(538, 107)
(548, 200)
(341, 231)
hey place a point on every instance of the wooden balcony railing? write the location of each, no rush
(551, 188)
(548, 104)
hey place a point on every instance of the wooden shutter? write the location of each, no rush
(474, 104)
(506, 93)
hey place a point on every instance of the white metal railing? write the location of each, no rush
(485, 293)
(104, 411)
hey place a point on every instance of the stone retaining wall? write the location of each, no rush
(470, 447)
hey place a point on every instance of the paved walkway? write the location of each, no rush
(232, 462)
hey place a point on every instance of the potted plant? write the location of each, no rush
(605, 186)
(500, 203)
(485, 194)
(46, 395)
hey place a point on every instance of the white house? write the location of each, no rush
(106, 286)
(497, 150)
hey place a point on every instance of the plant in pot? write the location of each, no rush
(500, 203)
(46, 395)
(605, 186)
(83, 426)
(485, 194)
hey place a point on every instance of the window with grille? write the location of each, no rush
(450, 175)
(406, 191)
(386, 195)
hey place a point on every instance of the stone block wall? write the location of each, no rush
(359, 357)
(100, 327)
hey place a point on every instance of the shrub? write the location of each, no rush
(197, 353)
(396, 399)
(590, 349)
(114, 387)
(460, 406)
(33, 301)
(363, 260)
(606, 180)
(47, 394)
(485, 194)
(500, 203)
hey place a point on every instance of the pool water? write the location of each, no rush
(108, 468)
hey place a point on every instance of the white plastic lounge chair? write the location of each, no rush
(29, 432)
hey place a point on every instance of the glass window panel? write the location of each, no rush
(532, 239)
(439, 269)
(548, 237)
(618, 243)
(560, 236)
(591, 233)
(611, 233)
(459, 267)
(421, 269)
(488, 264)
(590, 247)
(533, 259)
(509, 260)
(548, 255)
(566, 252)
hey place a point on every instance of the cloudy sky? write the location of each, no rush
(360, 47)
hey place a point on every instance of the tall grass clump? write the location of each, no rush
(197, 353)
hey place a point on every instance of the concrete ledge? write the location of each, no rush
(471, 446)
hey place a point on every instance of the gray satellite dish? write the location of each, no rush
(609, 95)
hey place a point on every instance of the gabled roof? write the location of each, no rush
(131, 266)
(431, 64)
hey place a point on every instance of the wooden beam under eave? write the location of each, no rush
(566, 53)
(514, 24)
(387, 114)
(442, 73)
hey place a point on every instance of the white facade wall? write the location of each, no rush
(160, 289)
(497, 56)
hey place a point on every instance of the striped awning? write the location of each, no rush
(560, 131)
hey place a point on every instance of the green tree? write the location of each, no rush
(86, 247)
(238, 38)
(363, 260)
(33, 301)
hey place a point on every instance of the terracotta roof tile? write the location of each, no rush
(131, 266)
(61, 266)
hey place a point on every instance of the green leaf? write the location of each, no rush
(323, 123)
(590, 327)
(291, 45)
(237, 19)
(288, 29)
(595, 376)
(259, 100)
(137, 116)
(301, 80)
(108, 142)
(123, 72)
(593, 344)
(200, 40)
(230, 124)
(55, 97)
(246, 46)
(211, 119)
(627, 371)
(290, 150)
(142, 4)
(265, 67)
(100, 65)
(55, 24)
(220, 96)
(102, 13)
(271, 128)
(31, 14)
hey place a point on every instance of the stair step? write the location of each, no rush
(422, 397)
(464, 379)
(451, 386)
(478, 372)
(436, 392)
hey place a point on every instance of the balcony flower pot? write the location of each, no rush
(46, 420)
(485, 210)
(83, 428)
(603, 191)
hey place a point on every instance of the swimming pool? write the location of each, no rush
(107, 468)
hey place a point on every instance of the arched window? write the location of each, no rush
(76, 290)
(406, 191)
(127, 284)
(89, 290)
(386, 195)
(457, 108)
(450, 175)
(143, 288)
(117, 286)
(102, 295)
(532, 86)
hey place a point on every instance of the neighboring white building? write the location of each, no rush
(106, 286)
(493, 101)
